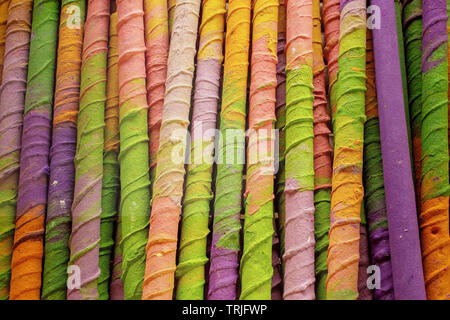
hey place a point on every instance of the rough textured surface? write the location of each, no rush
(86, 208)
(116, 286)
(448, 59)
(322, 158)
(157, 44)
(134, 163)
(196, 204)
(277, 282)
(347, 190)
(12, 104)
(278, 235)
(331, 23)
(280, 123)
(26, 264)
(13, 87)
(111, 172)
(3, 21)
(111, 192)
(401, 54)
(225, 245)
(401, 207)
(299, 240)
(412, 25)
(364, 293)
(168, 184)
(171, 4)
(435, 189)
(375, 201)
(256, 263)
(62, 152)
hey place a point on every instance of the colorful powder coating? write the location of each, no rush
(256, 263)
(168, 184)
(86, 208)
(347, 190)
(12, 105)
(192, 249)
(171, 4)
(322, 158)
(122, 164)
(280, 112)
(223, 274)
(111, 172)
(277, 243)
(26, 264)
(3, 20)
(364, 293)
(299, 241)
(157, 43)
(412, 25)
(135, 193)
(448, 59)
(62, 152)
(402, 61)
(331, 23)
(435, 190)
